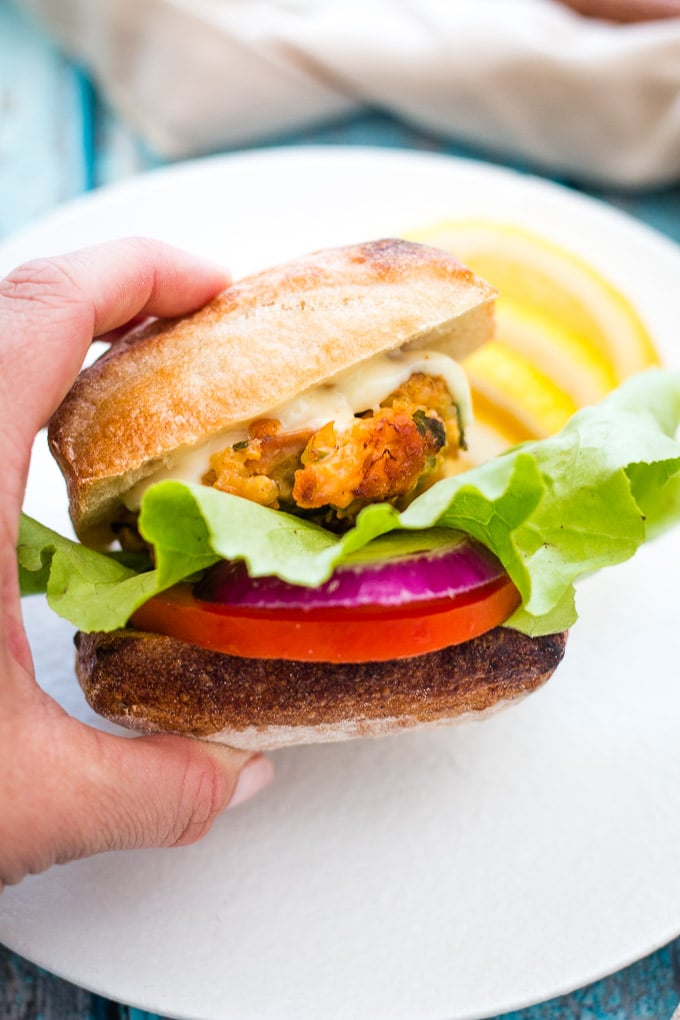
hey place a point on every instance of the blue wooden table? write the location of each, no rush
(59, 139)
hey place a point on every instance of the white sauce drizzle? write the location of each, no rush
(361, 388)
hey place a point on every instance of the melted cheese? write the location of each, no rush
(361, 388)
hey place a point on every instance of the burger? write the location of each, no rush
(283, 539)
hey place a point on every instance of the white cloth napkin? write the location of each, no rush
(524, 78)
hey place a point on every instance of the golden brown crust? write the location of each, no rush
(175, 383)
(154, 683)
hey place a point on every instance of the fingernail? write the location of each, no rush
(253, 777)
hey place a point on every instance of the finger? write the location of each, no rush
(50, 310)
(91, 792)
(136, 322)
(164, 791)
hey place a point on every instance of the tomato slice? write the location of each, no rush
(362, 634)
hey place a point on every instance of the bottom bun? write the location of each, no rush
(154, 683)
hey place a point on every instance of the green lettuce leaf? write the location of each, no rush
(552, 511)
(84, 586)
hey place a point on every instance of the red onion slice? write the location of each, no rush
(459, 567)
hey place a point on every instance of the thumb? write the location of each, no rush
(76, 791)
(164, 791)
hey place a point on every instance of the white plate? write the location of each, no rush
(450, 874)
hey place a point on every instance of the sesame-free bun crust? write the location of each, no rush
(176, 383)
(153, 683)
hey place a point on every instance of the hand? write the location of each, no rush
(626, 10)
(67, 790)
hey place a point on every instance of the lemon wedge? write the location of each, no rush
(555, 288)
(565, 336)
(525, 400)
(583, 372)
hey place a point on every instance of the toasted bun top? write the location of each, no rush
(268, 337)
